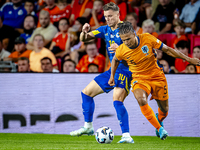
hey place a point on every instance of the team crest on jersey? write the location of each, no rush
(111, 36)
(10, 12)
(117, 35)
(145, 49)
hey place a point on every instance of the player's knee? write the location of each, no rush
(86, 92)
(165, 109)
(142, 100)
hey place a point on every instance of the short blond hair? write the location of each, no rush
(148, 22)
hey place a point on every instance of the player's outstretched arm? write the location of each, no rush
(85, 34)
(114, 65)
(177, 54)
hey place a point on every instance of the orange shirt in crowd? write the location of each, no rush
(17, 55)
(82, 65)
(175, 40)
(181, 64)
(60, 40)
(35, 58)
(79, 9)
(122, 10)
(100, 18)
(198, 69)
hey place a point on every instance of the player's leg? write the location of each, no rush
(119, 94)
(141, 94)
(91, 90)
(163, 108)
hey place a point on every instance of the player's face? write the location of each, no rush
(91, 50)
(68, 66)
(38, 42)
(112, 17)
(63, 26)
(44, 20)
(46, 65)
(29, 23)
(129, 39)
(196, 52)
(23, 66)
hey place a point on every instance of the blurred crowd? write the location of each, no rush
(43, 35)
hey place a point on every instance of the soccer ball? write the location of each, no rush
(104, 135)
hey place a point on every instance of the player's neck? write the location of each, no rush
(115, 27)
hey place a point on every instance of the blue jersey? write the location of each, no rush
(110, 36)
(13, 17)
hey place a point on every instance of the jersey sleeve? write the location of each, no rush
(99, 32)
(156, 43)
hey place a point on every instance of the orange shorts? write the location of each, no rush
(157, 87)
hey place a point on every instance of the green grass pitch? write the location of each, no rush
(9, 141)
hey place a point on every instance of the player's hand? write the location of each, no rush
(195, 61)
(111, 81)
(113, 47)
(86, 28)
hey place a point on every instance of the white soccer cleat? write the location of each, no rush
(81, 131)
(126, 140)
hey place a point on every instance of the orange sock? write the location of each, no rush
(149, 114)
(161, 115)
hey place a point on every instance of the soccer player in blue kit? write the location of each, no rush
(100, 83)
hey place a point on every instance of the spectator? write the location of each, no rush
(39, 53)
(3, 52)
(23, 64)
(179, 28)
(20, 50)
(149, 27)
(13, 14)
(190, 68)
(180, 64)
(69, 66)
(8, 36)
(47, 66)
(123, 8)
(93, 68)
(159, 54)
(196, 54)
(166, 67)
(132, 18)
(29, 26)
(189, 13)
(59, 41)
(164, 15)
(29, 5)
(97, 18)
(80, 8)
(196, 24)
(92, 56)
(47, 30)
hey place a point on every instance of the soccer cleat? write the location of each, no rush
(81, 131)
(163, 133)
(126, 140)
(161, 123)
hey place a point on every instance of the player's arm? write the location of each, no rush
(85, 34)
(114, 65)
(177, 54)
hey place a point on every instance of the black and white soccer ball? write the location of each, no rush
(104, 135)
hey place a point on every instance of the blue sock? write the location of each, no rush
(122, 116)
(88, 107)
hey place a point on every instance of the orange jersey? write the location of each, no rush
(175, 40)
(60, 40)
(198, 69)
(141, 60)
(82, 65)
(17, 55)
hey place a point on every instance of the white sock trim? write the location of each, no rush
(88, 125)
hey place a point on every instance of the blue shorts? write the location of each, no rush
(122, 79)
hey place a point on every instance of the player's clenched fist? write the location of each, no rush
(86, 28)
(194, 61)
(111, 81)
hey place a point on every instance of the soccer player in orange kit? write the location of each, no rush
(138, 51)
